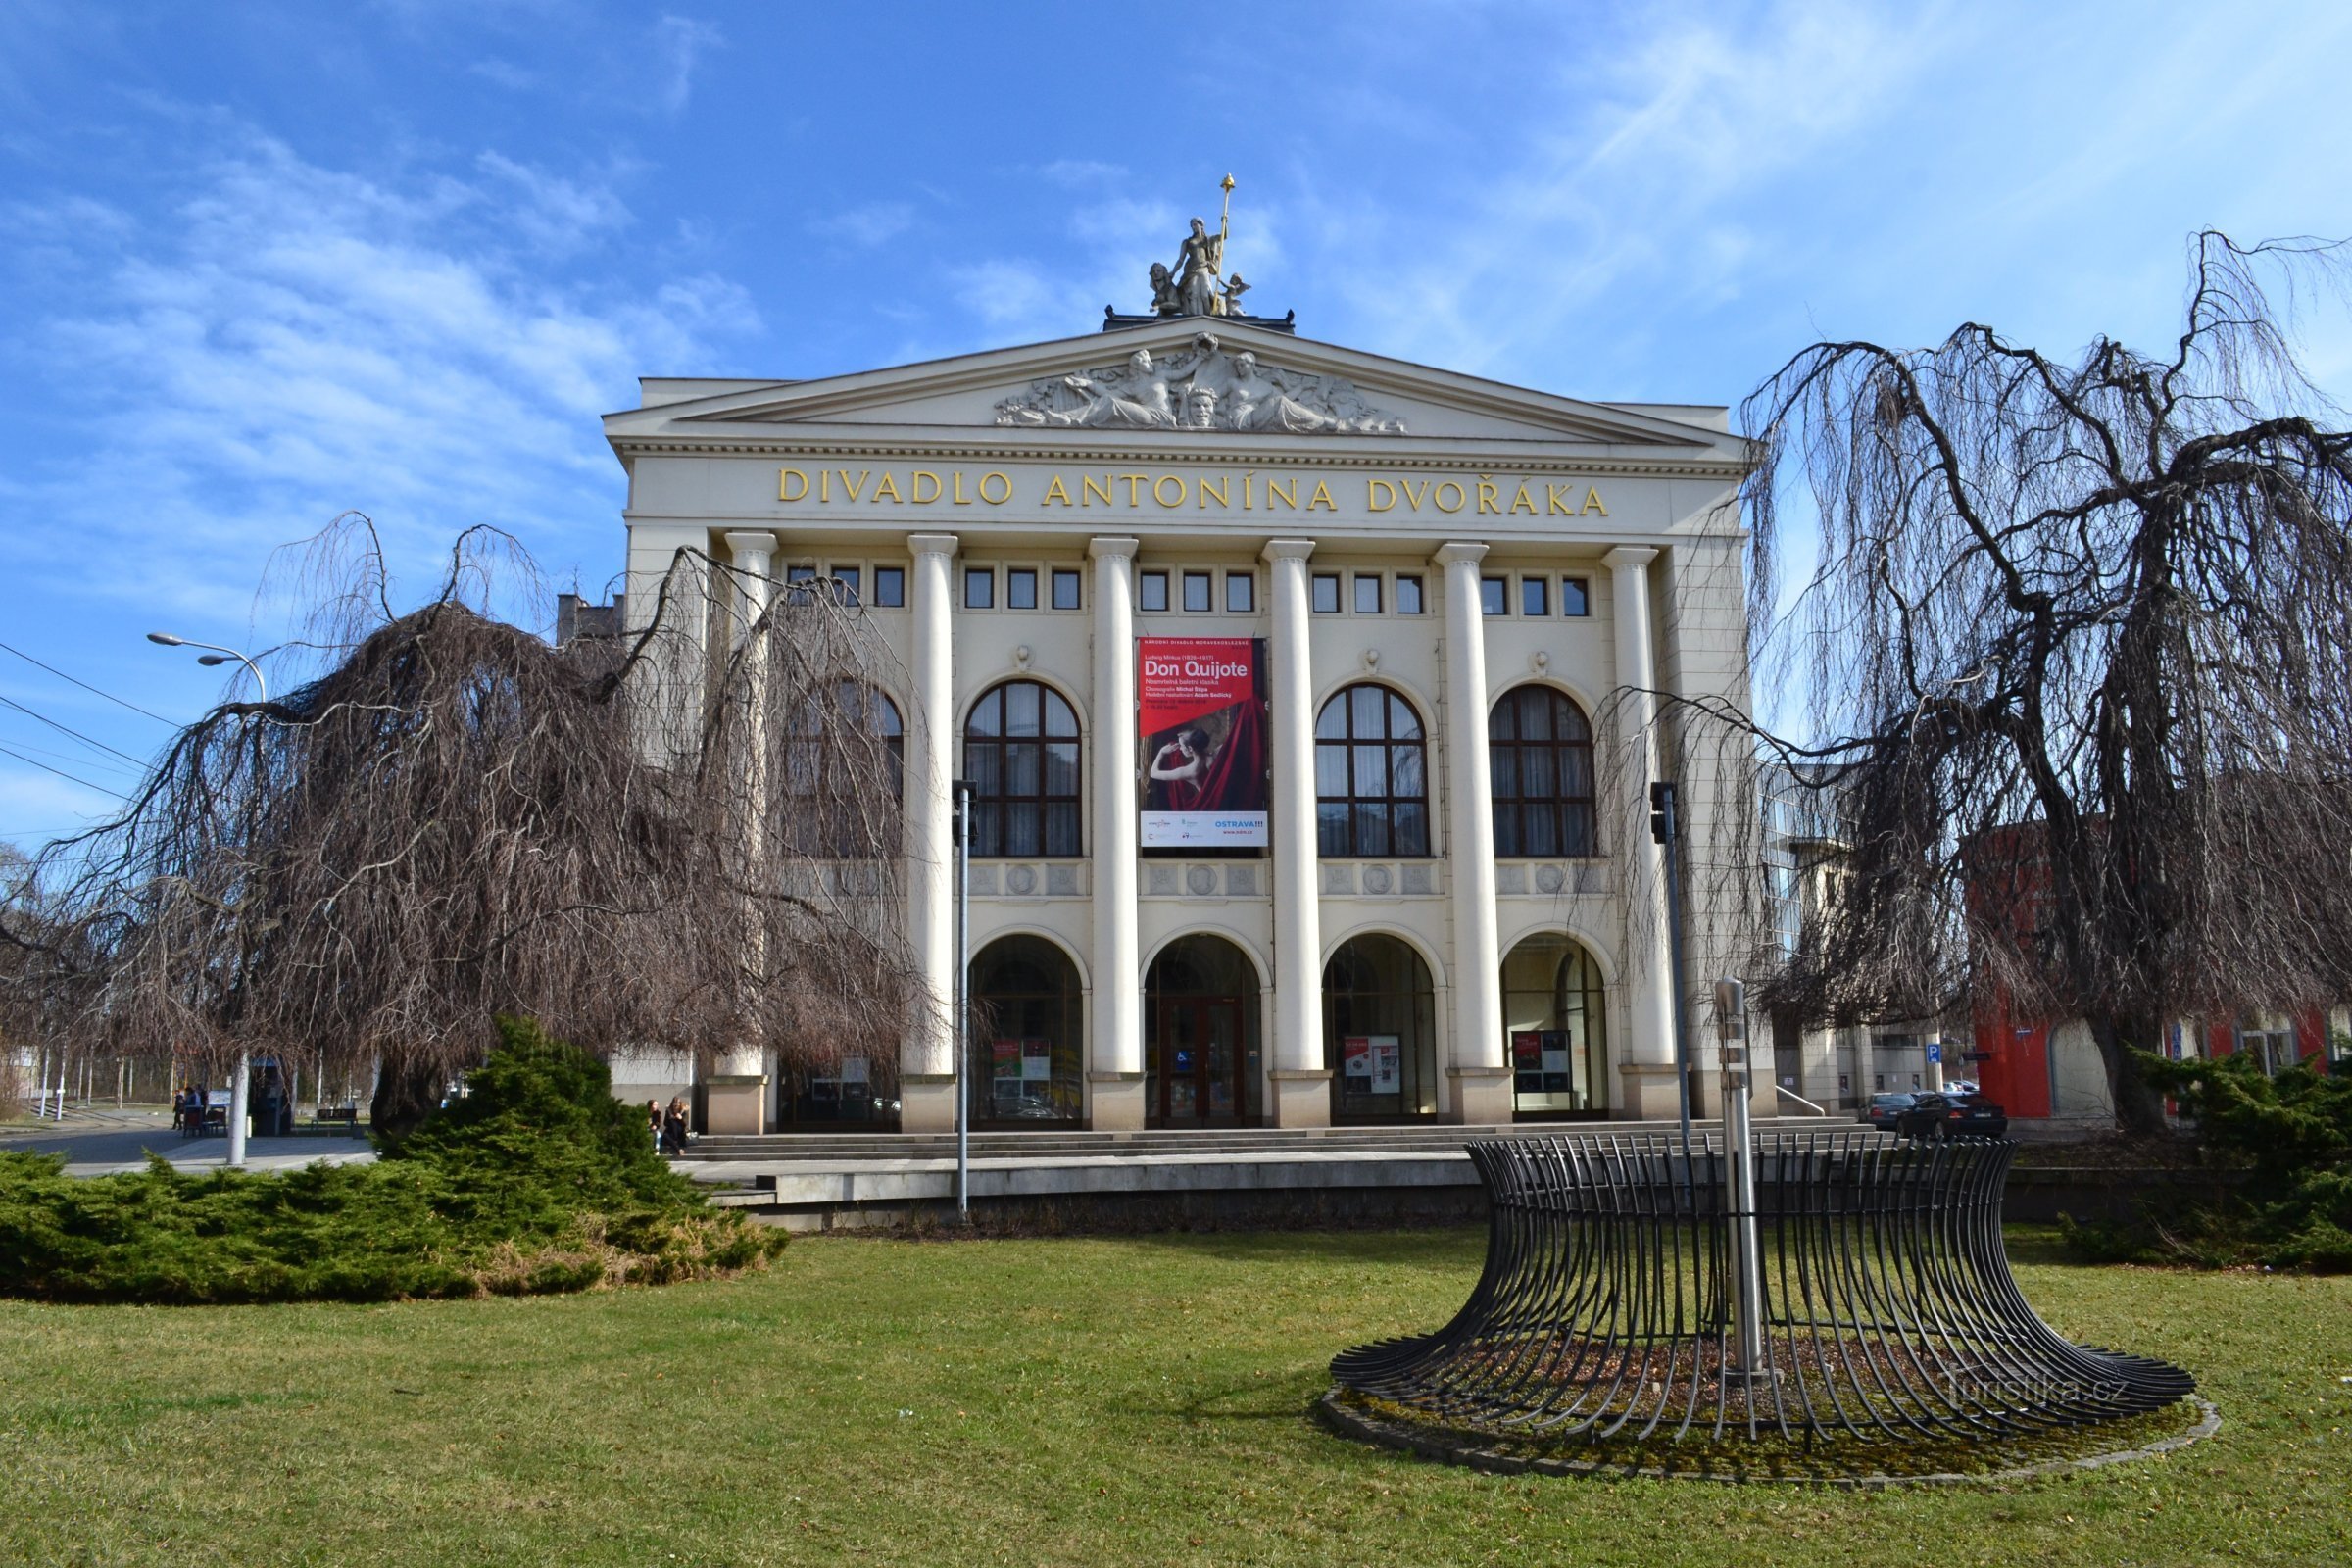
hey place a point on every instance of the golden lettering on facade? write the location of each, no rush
(1159, 490)
(784, 490)
(1379, 495)
(1592, 501)
(888, 487)
(1523, 502)
(1555, 498)
(1088, 490)
(1135, 483)
(1005, 479)
(1284, 491)
(923, 487)
(1057, 491)
(1204, 488)
(1322, 498)
(1459, 495)
(1488, 495)
(915, 487)
(960, 498)
(853, 490)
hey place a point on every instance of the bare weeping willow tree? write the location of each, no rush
(685, 836)
(2081, 638)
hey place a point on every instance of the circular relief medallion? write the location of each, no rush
(1378, 879)
(1021, 879)
(1201, 879)
(1550, 878)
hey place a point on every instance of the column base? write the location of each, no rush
(1646, 1092)
(1300, 1096)
(926, 1101)
(1482, 1096)
(1115, 1102)
(735, 1103)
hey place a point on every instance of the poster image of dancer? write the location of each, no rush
(1204, 721)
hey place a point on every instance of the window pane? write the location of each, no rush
(800, 575)
(1331, 724)
(1367, 594)
(1370, 772)
(1024, 769)
(1405, 779)
(1575, 772)
(1542, 830)
(1371, 830)
(1539, 777)
(1024, 823)
(1327, 592)
(1493, 595)
(1534, 716)
(847, 578)
(980, 767)
(988, 714)
(1331, 770)
(1409, 596)
(1061, 828)
(979, 587)
(1412, 828)
(1506, 831)
(1061, 769)
(1331, 829)
(988, 827)
(890, 587)
(1241, 592)
(1021, 708)
(1366, 705)
(1571, 720)
(1502, 766)
(1575, 597)
(1065, 589)
(1061, 722)
(1153, 589)
(1580, 831)
(1535, 595)
(1195, 589)
(1404, 722)
(1020, 588)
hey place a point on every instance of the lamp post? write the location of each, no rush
(964, 1001)
(239, 1086)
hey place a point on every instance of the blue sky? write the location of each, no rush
(262, 262)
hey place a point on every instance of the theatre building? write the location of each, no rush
(1278, 672)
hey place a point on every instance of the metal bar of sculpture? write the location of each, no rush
(1886, 1308)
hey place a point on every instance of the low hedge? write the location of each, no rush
(536, 1179)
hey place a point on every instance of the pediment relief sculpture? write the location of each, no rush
(1202, 388)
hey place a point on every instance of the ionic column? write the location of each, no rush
(1301, 1082)
(1481, 1079)
(927, 1060)
(735, 1094)
(1648, 1056)
(1116, 1075)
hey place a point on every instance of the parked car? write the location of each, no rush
(1948, 1115)
(1883, 1110)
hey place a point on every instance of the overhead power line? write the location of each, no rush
(68, 729)
(62, 773)
(87, 687)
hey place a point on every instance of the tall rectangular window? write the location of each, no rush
(979, 587)
(1020, 588)
(1152, 590)
(1535, 595)
(890, 587)
(1325, 587)
(795, 584)
(1241, 592)
(1408, 595)
(1195, 589)
(1494, 595)
(1367, 593)
(1576, 597)
(1065, 589)
(850, 581)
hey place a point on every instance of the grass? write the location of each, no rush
(1053, 1402)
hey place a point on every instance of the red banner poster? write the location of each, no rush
(1202, 713)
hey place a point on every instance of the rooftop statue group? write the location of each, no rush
(1203, 387)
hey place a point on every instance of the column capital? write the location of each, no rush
(1114, 548)
(934, 544)
(751, 540)
(1459, 550)
(1288, 548)
(1628, 556)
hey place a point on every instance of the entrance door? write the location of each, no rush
(1200, 1060)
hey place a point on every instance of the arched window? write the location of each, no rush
(1026, 1026)
(1371, 775)
(836, 749)
(1021, 755)
(1540, 749)
(1380, 1022)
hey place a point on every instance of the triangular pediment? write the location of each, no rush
(1197, 379)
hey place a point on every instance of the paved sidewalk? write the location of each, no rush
(99, 1143)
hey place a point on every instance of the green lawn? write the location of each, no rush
(1050, 1401)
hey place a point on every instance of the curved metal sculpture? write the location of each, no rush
(1882, 1306)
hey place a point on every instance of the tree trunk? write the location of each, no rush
(403, 1093)
(2138, 1108)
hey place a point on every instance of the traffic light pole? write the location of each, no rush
(1666, 828)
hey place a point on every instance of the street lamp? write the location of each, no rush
(239, 1086)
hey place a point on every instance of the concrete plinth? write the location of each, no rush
(1482, 1096)
(1302, 1097)
(735, 1103)
(1647, 1093)
(1116, 1101)
(926, 1101)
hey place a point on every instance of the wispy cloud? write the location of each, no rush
(679, 42)
(874, 223)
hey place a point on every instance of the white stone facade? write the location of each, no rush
(1455, 484)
